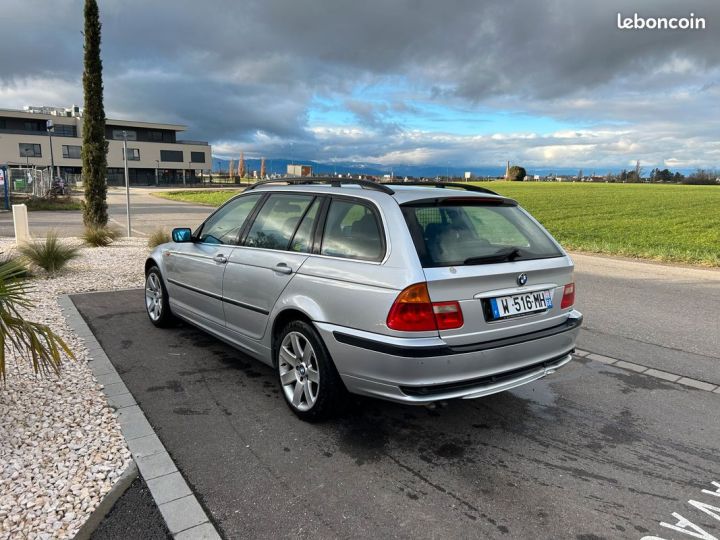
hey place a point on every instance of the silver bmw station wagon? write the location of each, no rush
(408, 292)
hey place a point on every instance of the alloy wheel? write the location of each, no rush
(299, 373)
(153, 296)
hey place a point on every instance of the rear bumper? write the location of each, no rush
(422, 370)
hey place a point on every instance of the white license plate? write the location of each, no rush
(517, 304)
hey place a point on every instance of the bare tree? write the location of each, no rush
(231, 169)
(262, 168)
(241, 166)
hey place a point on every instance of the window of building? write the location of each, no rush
(197, 157)
(30, 150)
(117, 134)
(31, 125)
(71, 151)
(172, 156)
(154, 136)
(133, 154)
(65, 130)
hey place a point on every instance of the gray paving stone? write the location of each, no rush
(108, 378)
(662, 375)
(121, 400)
(168, 488)
(579, 352)
(115, 389)
(182, 514)
(101, 367)
(601, 358)
(136, 428)
(130, 414)
(145, 446)
(156, 465)
(202, 532)
(629, 365)
(700, 385)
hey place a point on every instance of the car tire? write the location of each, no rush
(308, 379)
(157, 305)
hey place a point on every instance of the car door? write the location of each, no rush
(273, 248)
(194, 270)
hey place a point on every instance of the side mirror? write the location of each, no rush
(182, 234)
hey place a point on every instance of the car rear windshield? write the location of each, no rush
(465, 232)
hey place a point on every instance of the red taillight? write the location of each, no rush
(413, 311)
(568, 298)
(448, 315)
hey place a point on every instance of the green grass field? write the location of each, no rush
(205, 196)
(673, 223)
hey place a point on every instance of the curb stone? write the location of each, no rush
(183, 515)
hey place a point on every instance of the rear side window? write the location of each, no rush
(223, 227)
(276, 222)
(467, 233)
(352, 231)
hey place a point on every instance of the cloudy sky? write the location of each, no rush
(467, 82)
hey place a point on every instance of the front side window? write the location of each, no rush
(352, 231)
(456, 233)
(275, 224)
(223, 227)
(30, 150)
(302, 241)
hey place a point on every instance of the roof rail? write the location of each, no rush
(457, 185)
(335, 182)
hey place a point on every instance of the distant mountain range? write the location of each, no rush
(279, 166)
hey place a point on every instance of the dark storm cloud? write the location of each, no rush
(231, 70)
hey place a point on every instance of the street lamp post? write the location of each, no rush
(127, 183)
(50, 128)
(157, 172)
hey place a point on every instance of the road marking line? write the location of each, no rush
(645, 370)
(631, 366)
(697, 384)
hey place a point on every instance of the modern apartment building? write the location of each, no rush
(155, 154)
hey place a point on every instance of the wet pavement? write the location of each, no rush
(589, 452)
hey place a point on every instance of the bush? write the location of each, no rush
(34, 342)
(516, 173)
(159, 236)
(51, 255)
(99, 236)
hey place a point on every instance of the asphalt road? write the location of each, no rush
(590, 452)
(662, 316)
(148, 213)
(134, 516)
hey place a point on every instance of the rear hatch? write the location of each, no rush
(502, 267)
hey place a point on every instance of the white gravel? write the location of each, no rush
(61, 448)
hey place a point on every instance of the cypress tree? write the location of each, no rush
(94, 145)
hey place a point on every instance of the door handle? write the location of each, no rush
(283, 268)
(220, 258)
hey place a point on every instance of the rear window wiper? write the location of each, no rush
(503, 255)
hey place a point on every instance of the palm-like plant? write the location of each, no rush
(34, 342)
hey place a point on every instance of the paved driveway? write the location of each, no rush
(590, 452)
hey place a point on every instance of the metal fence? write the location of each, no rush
(30, 181)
